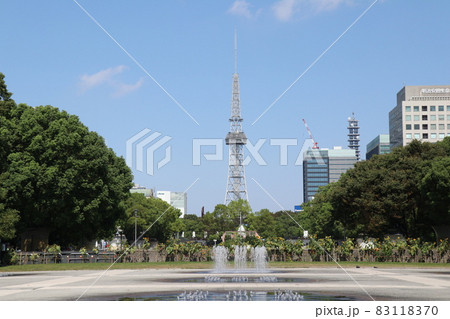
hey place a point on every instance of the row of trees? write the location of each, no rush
(406, 191)
(227, 217)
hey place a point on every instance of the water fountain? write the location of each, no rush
(220, 257)
(240, 257)
(259, 258)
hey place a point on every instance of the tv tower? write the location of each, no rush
(353, 135)
(236, 139)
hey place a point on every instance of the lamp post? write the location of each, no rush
(135, 227)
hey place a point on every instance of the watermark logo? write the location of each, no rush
(148, 142)
(141, 151)
(211, 149)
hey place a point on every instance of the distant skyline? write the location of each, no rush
(167, 66)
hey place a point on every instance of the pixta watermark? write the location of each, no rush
(149, 150)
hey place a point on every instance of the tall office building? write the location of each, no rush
(175, 199)
(422, 113)
(379, 145)
(324, 166)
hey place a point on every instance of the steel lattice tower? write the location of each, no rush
(353, 135)
(236, 139)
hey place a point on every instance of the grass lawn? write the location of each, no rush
(210, 265)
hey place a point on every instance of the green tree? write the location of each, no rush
(287, 224)
(317, 217)
(58, 175)
(219, 220)
(154, 216)
(8, 218)
(435, 188)
(239, 209)
(263, 222)
(4, 94)
(192, 223)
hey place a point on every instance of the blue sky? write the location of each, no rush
(53, 53)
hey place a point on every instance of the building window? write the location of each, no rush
(424, 117)
(416, 109)
(448, 108)
(424, 126)
(433, 108)
(408, 118)
(424, 108)
(441, 108)
(407, 108)
(425, 136)
(441, 135)
(408, 126)
(433, 135)
(416, 136)
(441, 126)
(433, 117)
(408, 135)
(417, 126)
(448, 117)
(433, 126)
(441, 117)
(416, 117)
(448, 126)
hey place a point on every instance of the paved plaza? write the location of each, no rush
(355, 283)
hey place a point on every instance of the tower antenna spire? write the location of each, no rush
(235, 50)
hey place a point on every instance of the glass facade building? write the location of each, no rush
(324, 166)
(379, 145)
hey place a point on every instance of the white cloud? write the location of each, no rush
(242, 8)
(109, 77)
(123, 89)
(104, 76)
(328, 5)
(284, 10)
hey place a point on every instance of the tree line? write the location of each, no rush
(58, 176)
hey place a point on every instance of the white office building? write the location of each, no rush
(175, 199)
(422, 113)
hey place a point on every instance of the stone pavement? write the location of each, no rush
(359, 283)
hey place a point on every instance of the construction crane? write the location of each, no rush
(315, 146)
